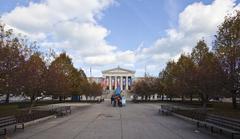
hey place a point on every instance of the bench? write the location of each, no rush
(64, 110)
(165, 110)
(6, 122)
(222, 124)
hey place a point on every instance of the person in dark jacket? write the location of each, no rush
(112, 99)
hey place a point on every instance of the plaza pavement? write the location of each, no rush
(102, 121)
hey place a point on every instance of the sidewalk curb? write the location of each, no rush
(39, 120)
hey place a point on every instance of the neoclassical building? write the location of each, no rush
(118, 77)
(112, 78)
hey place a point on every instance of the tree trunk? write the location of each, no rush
(32, 103)
(204, 104)
(204, 100)
(60, 98)
(182, 98)
(7, 98)
(31, 106)
(234, 100)
(32, 98)
(191, 97)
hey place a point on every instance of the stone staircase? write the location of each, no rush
(108, 94)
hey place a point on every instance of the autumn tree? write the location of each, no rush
(227, 47)
(82, 74)
(199, 51)
(86, 88)
(157, 86)
(23, 70)
(34, 78)
(95, 90)
(11, 62)
(74, 81)
(209, 76)
(169, 80)
(59, 76)
(78, 82)
(153, 86)
(140, 88)
(185, 76)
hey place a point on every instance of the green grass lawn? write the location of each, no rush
(8, 109)
(217, 108)
(225, 109)
(20, 107)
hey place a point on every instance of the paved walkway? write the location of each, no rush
(101, 121)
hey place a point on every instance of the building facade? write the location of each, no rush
(118, 77)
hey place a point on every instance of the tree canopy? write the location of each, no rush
(25, 70)
(203, 74)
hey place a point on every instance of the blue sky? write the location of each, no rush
(142, 20)
(103, 34)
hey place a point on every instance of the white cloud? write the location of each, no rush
(100, 59)
(126, 57)
(161, 56)
(197, 18)
(63, 24)
(196, 21)
(73, 26)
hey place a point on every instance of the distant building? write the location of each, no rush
(118, 77)
(112, 78)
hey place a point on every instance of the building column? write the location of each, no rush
(105, 82)
(121, 82)
(115, 82)
(126, 82)
(110, 82)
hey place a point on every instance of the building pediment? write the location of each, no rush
(118, 70)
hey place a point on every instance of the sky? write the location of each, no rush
(141, 35)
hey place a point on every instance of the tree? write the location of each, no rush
(82, 74)
(86, 88)
(168, 79)
(147, 87)
(34, 78)
(140, 88)
(96, 89)
(12, 59)
(227, 47)
(77, 81)
(211, 78)
(59, 76)
(199, 51)
(185, 76)
(157, 86)
(152, 86)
